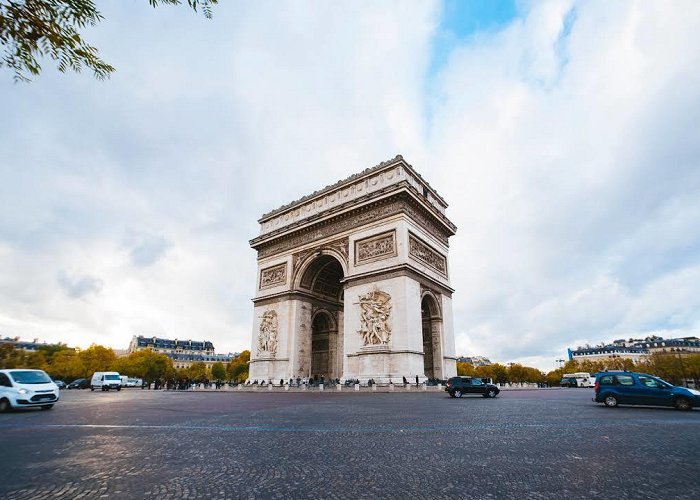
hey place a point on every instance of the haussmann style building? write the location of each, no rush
(353, 282)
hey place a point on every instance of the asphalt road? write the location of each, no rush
(523, 444)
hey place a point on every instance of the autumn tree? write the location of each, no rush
(34, 29)
(97, 358)
(197, 371)
(145, 364)
(237, 369)
(218, 371)
(67, 365)
(465, 369)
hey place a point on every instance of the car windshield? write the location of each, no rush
(112, 377)
(30, 377)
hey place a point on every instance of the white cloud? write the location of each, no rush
(566, 144)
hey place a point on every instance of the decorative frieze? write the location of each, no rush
(374, 248)
(267, 337)
(421, 252)
(380, 210)
(375, 311)
(273, 276)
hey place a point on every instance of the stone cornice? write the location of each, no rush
(356, 189)
(400, 198)
(398, 159)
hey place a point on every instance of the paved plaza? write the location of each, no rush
(524, 444)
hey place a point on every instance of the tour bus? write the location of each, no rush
(578, 379)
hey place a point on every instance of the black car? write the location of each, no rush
(568, 382)
(459, 386)
(81, 383)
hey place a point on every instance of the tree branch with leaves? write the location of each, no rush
(31, 30)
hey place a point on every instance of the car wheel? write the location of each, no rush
(451, 394)
(682, 404)
(458, 393)
(491, 394)
(92, 388)
(119, 389)
(47, 407)
(610, 401)
(5, 405)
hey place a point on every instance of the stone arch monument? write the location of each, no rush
(353, 282)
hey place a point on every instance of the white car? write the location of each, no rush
(22, 387)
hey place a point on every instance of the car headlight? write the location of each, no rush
(23, 391)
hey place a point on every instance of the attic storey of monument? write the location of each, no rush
(353, 282)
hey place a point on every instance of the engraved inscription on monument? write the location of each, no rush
(374, 248)
(423, 253)
(267, 339)
(275, 275)
(375, 309)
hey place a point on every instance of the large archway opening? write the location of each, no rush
(431, 326)
(322, 282)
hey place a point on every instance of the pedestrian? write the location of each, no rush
(416, 379)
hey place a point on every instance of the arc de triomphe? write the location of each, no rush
(353, 282)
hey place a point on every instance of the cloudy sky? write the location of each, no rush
(564, 135)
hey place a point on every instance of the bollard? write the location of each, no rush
(240, 387)
(320, 387)
(286, 387)
(374, 387)
(408, 387)
(357, 387)
(425, 387)
(439, 386)
(391, 387)
(339, 387)
(269, 387)
(304, 387)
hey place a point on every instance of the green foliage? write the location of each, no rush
(97, 358)
(237, 369)
(218, 372)
(197, 371)
(465, 369)
(145, 364)
(34, 29)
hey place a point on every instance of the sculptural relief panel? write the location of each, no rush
(272, 276)
(382, 246)
(267, 337)
(375, 313)
(421, 252)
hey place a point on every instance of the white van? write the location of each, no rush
(25, 388)
(106, 381)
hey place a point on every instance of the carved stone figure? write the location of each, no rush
(267, 339)
(375, 309)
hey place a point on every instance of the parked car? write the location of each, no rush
(631, 388)
(106, 381)
(60, 383)
(81, 383)
(568, 382)
(21, 388)
(459, 386)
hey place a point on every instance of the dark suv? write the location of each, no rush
(459, 386)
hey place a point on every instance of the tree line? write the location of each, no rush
(66, 363)
(673, 368)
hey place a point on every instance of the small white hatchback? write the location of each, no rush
(21, 387)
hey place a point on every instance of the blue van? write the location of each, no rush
(630, 388)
